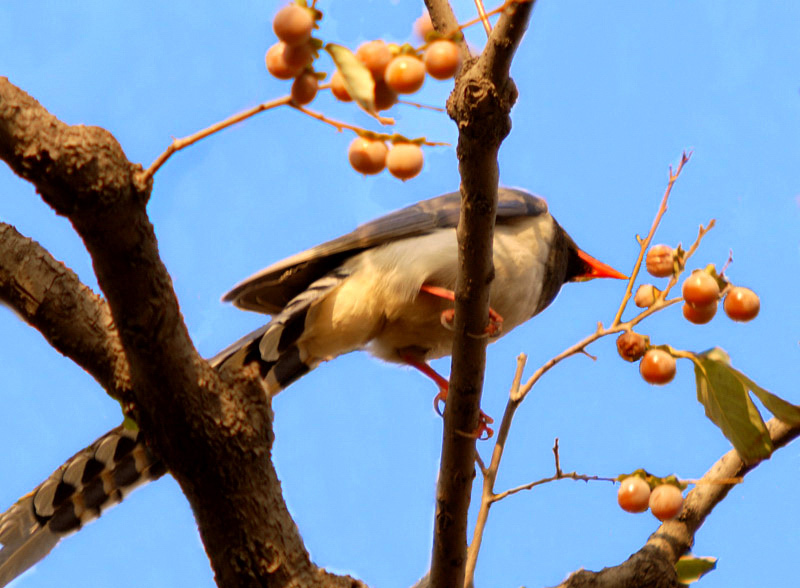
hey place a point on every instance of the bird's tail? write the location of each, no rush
(104, 473)
(89, 482)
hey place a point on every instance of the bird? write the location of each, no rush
(386, 287)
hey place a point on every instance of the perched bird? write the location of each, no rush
(387, 287)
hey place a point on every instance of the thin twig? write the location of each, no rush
(422, 106)
(644, 244)
(490, 476)
(178, 144)
(497, 10)
(487, 26)
(518, 393)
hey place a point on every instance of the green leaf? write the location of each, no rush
(690, 568)
(728, 405)
(357, 79)
(786, 411)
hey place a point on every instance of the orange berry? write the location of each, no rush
(338, 88)
(276, 64)
(631, 346)
(423, 25)
(376, 56)
(385, 97)
(700, 289)
(634, 494)
(404, 160)
(699, 315)
(298, 55)
(742, 304)
(405, 74)
(666, 502)
(304, 87)
(442, 59)
(367, 156)
(657, 367)
(646, 295)
(659, 261)
(292, 24)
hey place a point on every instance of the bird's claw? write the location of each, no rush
(484, 420)
(493, 329)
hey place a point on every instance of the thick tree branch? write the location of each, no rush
(480, 105)
(653, 565)
(74, 320)
(214, 433)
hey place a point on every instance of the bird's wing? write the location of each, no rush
(269, 290)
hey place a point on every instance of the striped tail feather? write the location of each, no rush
(104, 473)
(92, 480)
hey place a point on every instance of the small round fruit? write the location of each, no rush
(657, 367)
(405, 74)
(292, 24)
(646, 296)
(367, 156)
(741, 304)
(666, 502)
(634, 494)
(385, 97)
(404, 160)
(376, 56)
(700, 289)
(659, 261)
(338, 88)
(276, 64)
(442, 59)
(699, 315)
(304, 87)
(631, 346)
(298, 55)
(423, 25)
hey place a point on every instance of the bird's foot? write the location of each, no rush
(493, 329)
(484, 420)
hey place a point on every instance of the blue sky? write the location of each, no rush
(610, 94)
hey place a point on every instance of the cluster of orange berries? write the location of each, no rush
(292, 55)
(394, 69)
(701, 291)
(665, 500)
(370, 156)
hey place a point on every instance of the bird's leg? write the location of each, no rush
(495, 320)
(444, 386)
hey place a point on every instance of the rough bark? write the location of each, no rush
(213, 431)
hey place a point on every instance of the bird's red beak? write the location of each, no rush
(598, 269)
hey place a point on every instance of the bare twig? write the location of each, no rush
(178, 144)
(644, 244)
(487, 26)
(518, 393)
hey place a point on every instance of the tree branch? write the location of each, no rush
(213, 432)
(653, 565)
(74, 320)
(480, 105)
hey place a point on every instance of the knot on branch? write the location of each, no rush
(481, 108)
(75, 168)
